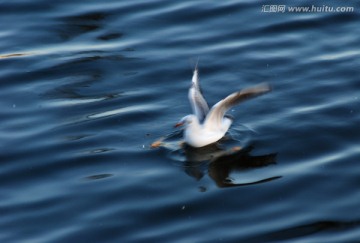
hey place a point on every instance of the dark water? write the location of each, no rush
(87, 86)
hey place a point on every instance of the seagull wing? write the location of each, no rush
(215, 116)
(198, 103)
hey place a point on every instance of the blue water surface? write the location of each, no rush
(87, 86)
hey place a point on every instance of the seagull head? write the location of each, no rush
(186, 120)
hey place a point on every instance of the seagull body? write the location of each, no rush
(206, 126)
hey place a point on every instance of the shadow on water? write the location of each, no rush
(218, 162)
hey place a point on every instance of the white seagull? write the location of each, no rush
(206, 126)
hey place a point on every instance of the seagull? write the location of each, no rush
(206, 126)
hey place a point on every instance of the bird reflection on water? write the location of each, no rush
(219, 163)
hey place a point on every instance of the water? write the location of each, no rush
(86, 87)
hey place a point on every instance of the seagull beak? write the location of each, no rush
(179, 124)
